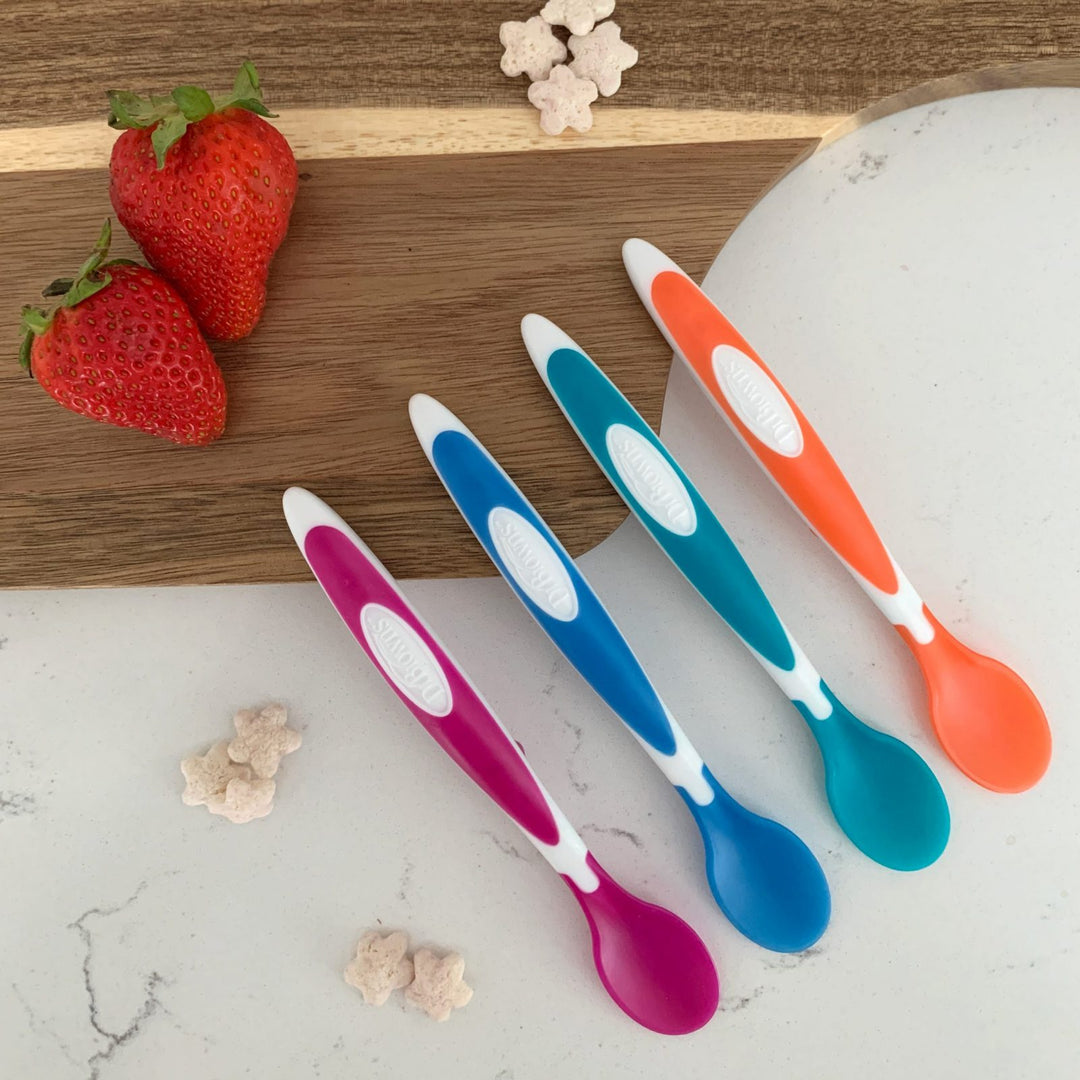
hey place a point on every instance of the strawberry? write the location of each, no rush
(205, 186)
(123, 348)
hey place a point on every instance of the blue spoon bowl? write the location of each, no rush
(763, 877)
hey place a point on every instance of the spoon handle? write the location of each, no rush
(434, 689)
(547, 581)
(665, 501)
(772, 427)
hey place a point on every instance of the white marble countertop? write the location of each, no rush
(915, 285)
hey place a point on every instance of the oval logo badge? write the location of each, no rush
(534, 564)
(406, 659)
(757, 400)
(652, 481)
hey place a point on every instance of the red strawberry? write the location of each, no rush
(206, 188)
(123, 348)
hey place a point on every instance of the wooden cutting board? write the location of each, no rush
(431, 216)
(398, 275)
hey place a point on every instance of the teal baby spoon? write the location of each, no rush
(881, 792)
(763, 877)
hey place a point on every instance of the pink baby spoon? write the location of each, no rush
(654, 966)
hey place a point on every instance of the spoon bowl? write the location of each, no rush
(883, 795)
(764, 878)
(652, 964)
(985, 716)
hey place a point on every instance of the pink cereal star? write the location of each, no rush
(531, 48)
(602, 56)
(563, 100)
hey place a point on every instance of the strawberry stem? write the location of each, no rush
(34, 322)
(91, 276)
(170, 116)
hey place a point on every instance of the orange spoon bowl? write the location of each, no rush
(985, 716)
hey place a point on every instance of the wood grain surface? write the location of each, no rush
(789, 56)
(398, 275)
(404, 272)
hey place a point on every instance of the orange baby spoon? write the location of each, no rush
(985, 716)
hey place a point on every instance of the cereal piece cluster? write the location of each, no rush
(233, 779)
(433, 983)
(564, 92)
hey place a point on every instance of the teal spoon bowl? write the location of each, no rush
(868, 776)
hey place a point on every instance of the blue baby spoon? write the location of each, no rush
(764, 878)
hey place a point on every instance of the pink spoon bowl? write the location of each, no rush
(654, 966)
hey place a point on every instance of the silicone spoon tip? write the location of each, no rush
(884, 796)
(986, 717)
(763, 877)
(652, 964)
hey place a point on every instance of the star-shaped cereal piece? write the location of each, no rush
(578, 16)
(208, 775)
(563, 100)
(244, 800)
(602, 56)
(531, 47)
(262, 739)
(438, 987)
(380, 966)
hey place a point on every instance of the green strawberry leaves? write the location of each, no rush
(194, 102)
(246, 83)
(166, 132)
(170, 116)
(129, 110)
(91, 278)
(252, 105)
(247, 93)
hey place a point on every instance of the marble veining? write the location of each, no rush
(16, 804)
(613, 830)
(507, 847)
(152, 983)
(582, 787)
